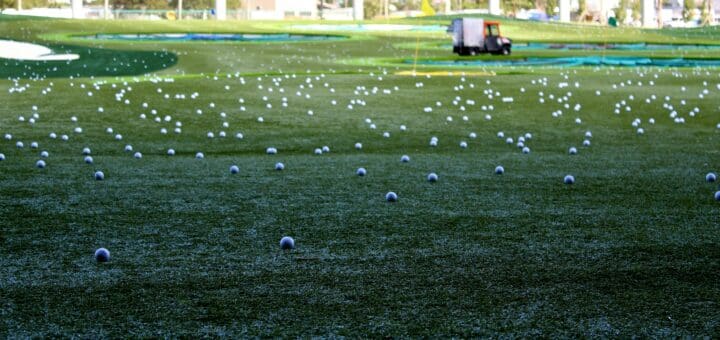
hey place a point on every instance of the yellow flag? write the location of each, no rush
(426, 8)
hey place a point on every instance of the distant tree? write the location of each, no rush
(582, 10)
(688, 7)
(705, 17)
(6, 4)
(513, 6)
(372, 8)
(636, 10)
(621, 11)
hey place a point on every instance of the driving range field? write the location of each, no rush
(630, 248)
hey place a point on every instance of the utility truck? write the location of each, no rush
(472, 36)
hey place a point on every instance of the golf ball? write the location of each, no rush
(287, 243)
(717, 195)
(405, 158)
(358, 146)
(279, 166)
(102, 255)
(199, 155)
(88, 160)
(499, 170)
(572, 151)
(432, 177)
(2, 157)
(234, 169)
(99, 175)
(137, 155)
(569, 179)
(171, 152)
(711, 177)
(391, 197)
(40, 164)
(361, 172)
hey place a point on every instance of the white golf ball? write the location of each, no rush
(234, 169)
(711, 177)
(128, 148)
(102, 255)
(499, 170)
(20, 145)
(34, 145)
(463, 145)
(717, 195)
(569, 179)
(432, 177)
(40, 164)
(279, 166)
(572, 151)
(287, 243)
(361, 172)
(53, 135)
(88, 160)
(2, 157)
(199, 155)
(44, 154)
(358, 146)
(271, 151)
(171, 152)
(391, 197)
(318, 151)
(137, 155)
(526, 150)
(325, 148)
(405, 158)
(586, 142)
(473, 135)
(86, 151)
(65, 138)
(99, 175)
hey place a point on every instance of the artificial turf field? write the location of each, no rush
(631, 249)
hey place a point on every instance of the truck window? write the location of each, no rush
(492, 30)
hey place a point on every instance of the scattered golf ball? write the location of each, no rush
(432, 177)
(234, 169)
(358, 146)
(572, 151)
(271, 151)
(499, 170)
(361, 172)
(102, 255)
(171, 152)
(287, 243)
(569, 179)
(88, 160)
(711, 177)
(405, 158)
(86, 151)
(318, 151)
(279, 166)
(2, 157)
(717, 195)
(199, 155)
(137, 155)
(526, 150)
(391, 197)
(463, 145)
(99, 176)
(44, 154)
(40, 164)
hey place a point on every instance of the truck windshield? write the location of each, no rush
(492, 30)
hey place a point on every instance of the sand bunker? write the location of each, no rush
(27, 51)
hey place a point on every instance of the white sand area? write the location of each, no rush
(18, 50)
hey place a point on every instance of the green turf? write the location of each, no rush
(631, 249)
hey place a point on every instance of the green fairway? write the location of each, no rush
(632, 248)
